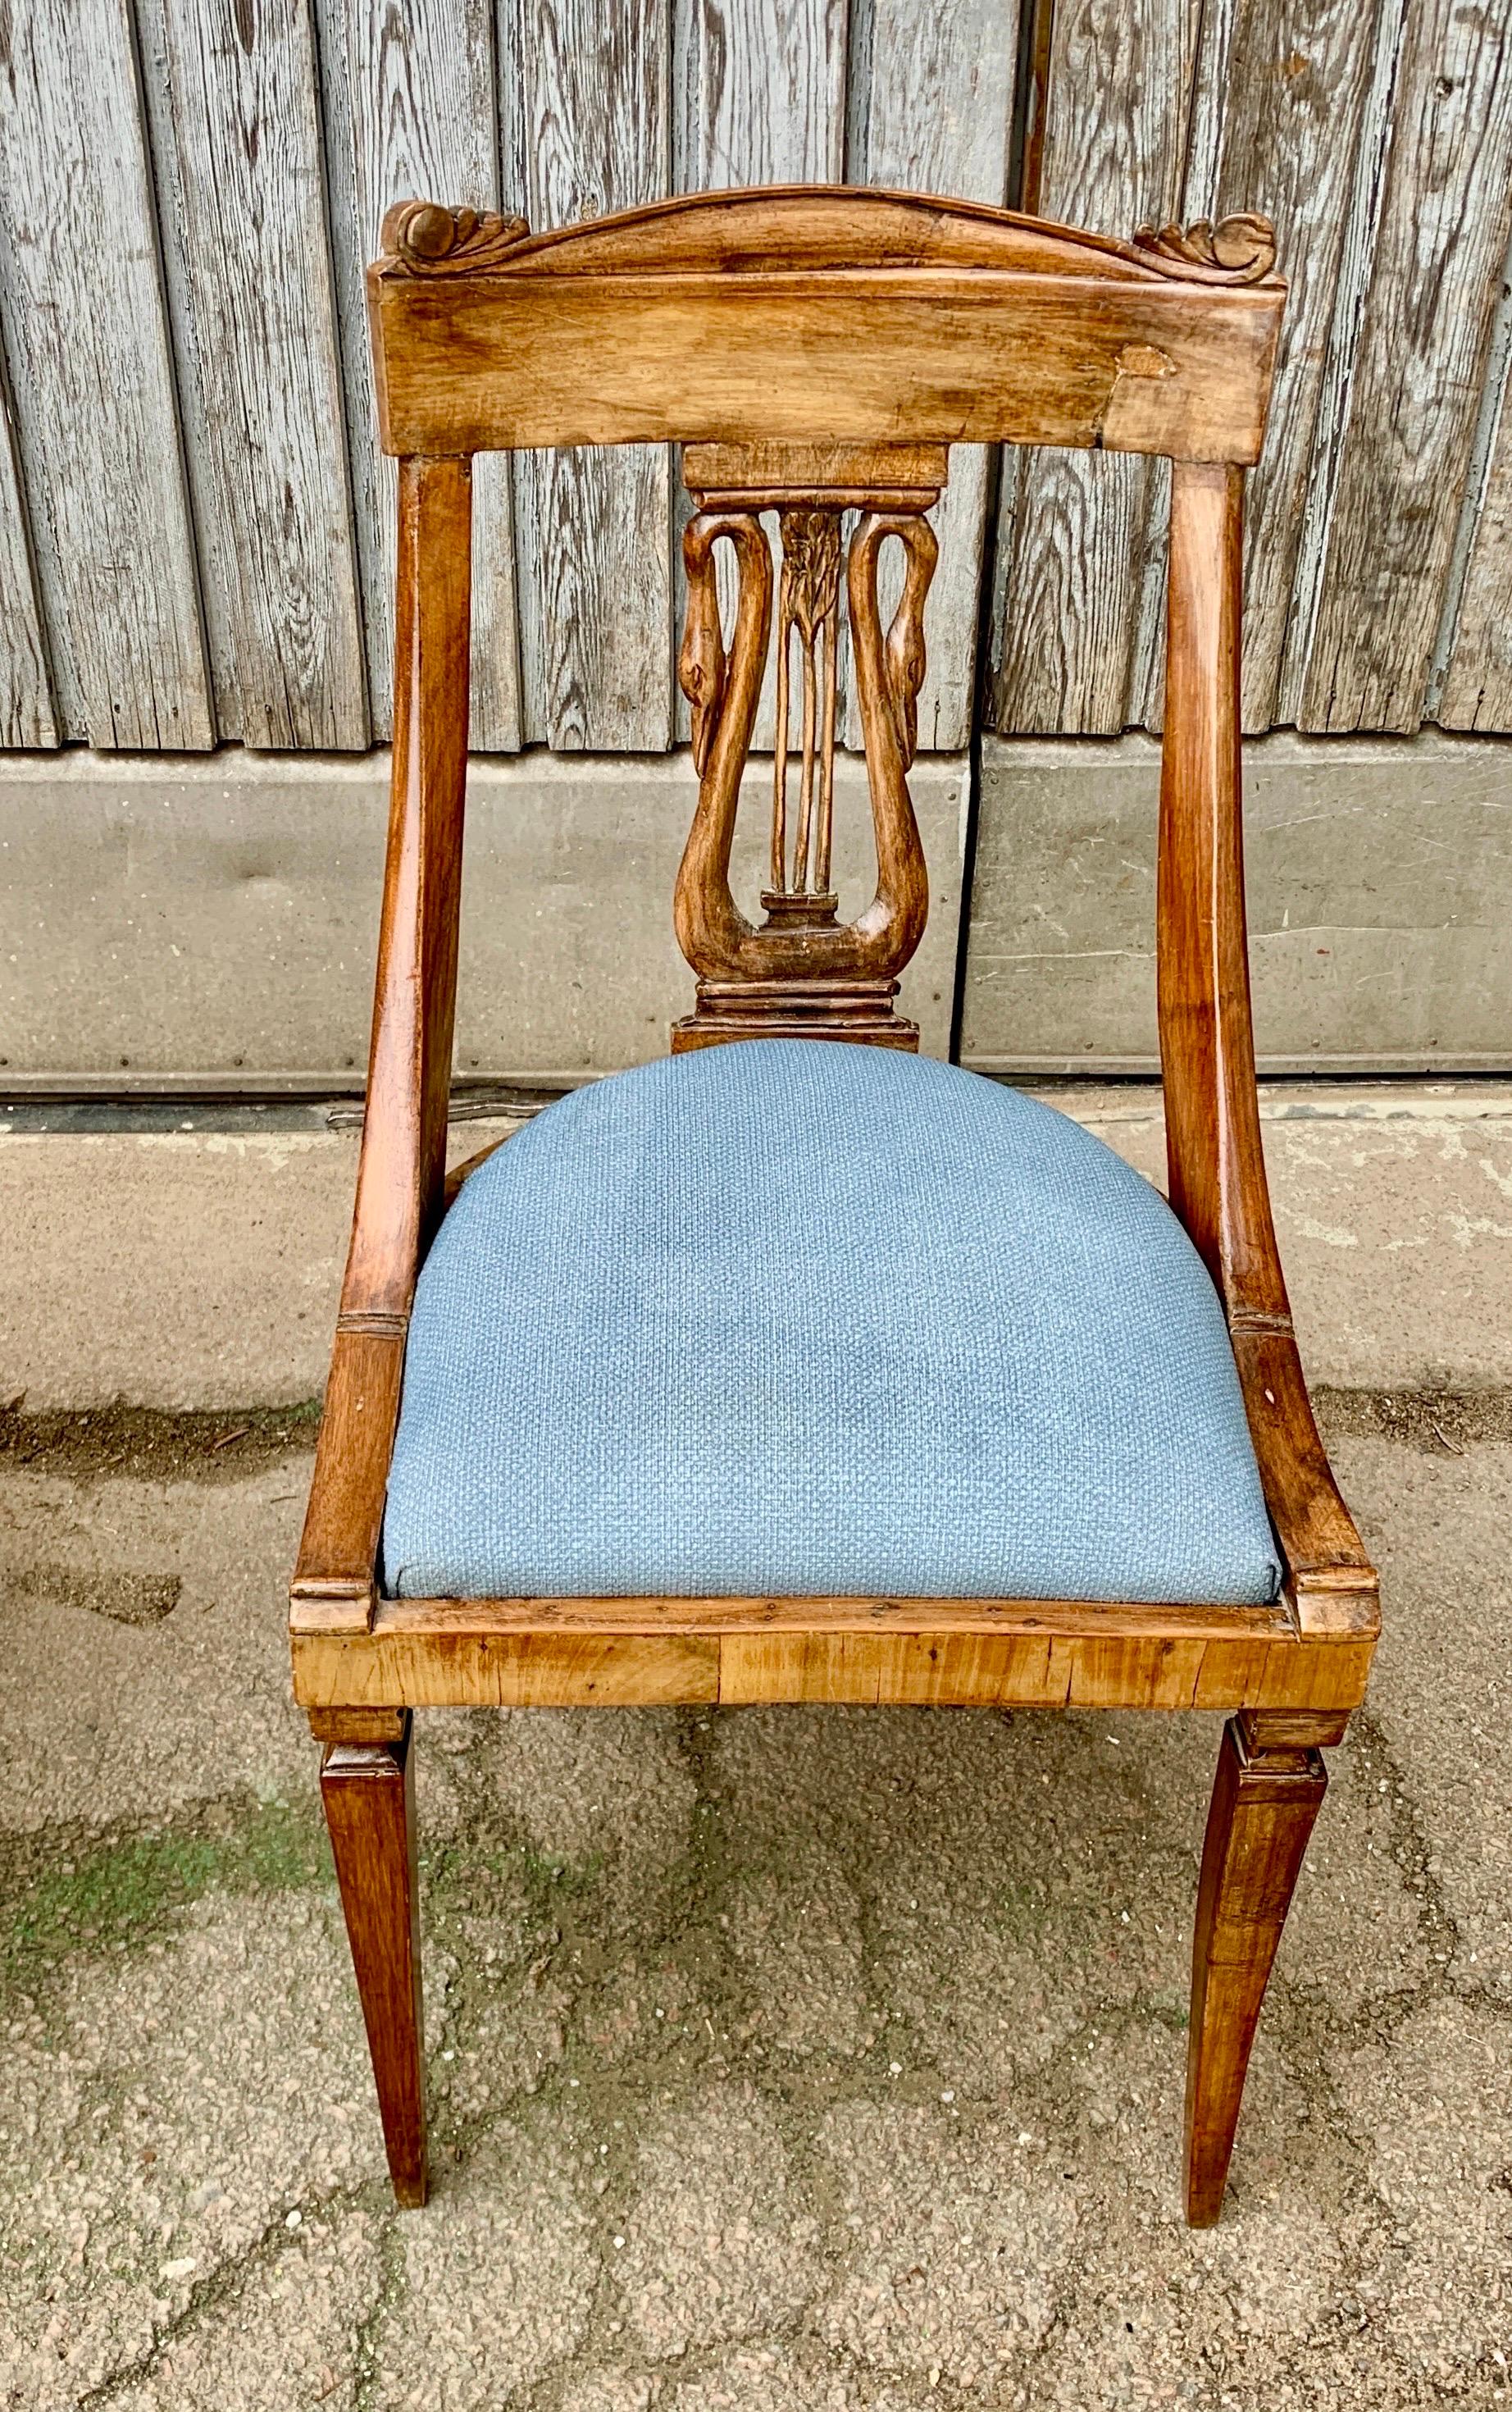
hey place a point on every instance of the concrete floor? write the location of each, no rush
(809, 2060)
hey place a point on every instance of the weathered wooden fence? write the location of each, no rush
(195, 538)
(1378, 135)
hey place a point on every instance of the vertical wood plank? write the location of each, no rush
(1418, 371)
(410, 111)
(1074, 528)
(97, 419)
(761, 93)
(589, 132)
(1279, 108)
(761, 89)
(1362, 221)
(1478, 685)
(234, 96)
(26, 713)
(932, 113)
(1300, 82)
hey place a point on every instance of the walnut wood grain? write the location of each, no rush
(481, 1653)
(460, 1666)
(774, 475)
(360, 1727)
(1266, 1796)
(987, 357)
(830, 1615)
(368, 1790)
(336, 1584)
(961, 323)
(778, 229)
(402, 1161)
(1238, 250)
(1027, 1670)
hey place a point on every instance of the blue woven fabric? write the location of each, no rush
(789, 1317)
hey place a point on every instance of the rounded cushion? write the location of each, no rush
(794, 1317)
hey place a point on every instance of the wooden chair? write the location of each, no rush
(816, 352)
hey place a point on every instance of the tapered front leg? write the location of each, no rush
(367, 1789)
(1269, 1790)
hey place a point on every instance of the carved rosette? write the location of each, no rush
(432, 241)
(1237, 250)
(801, 971)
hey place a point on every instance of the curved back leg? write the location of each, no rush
(1269, 1789)
(367, 1789)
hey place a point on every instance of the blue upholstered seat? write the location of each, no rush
(787, 1316)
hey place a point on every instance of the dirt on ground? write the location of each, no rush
(150, 1444)
(224, 1444)
(791, 2059)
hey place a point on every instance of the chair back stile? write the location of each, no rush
(401, 1164)
(1215, 1156)
(409, 1071)
(1213, 1131)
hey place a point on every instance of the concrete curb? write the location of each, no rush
(199, 1269)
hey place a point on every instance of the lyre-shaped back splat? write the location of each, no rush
(802, 973)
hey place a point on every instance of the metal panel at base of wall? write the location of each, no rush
(216, 919)
(1379, 876)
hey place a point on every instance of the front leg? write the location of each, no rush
(1269, 1790)
(367, 1783)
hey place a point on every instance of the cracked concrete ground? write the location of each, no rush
(804, 2059)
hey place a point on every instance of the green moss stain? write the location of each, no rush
(123, 1890)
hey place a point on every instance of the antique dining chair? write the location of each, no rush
(795, 1366)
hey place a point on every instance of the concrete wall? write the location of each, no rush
(187, 920)
(1379, 876)
(182, 920)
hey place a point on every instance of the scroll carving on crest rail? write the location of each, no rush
(433, 240)
(801, 971)
(1237, 250)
